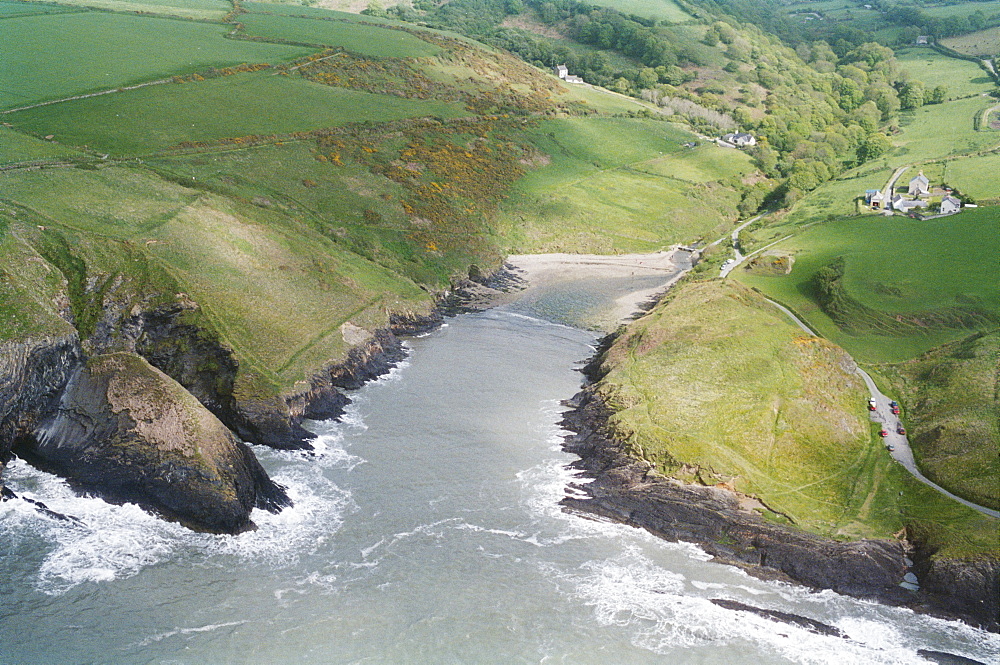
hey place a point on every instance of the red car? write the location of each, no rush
(883, 432)
(895, 410)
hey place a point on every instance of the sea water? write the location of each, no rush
(426, 529)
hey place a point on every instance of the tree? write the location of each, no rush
(937, 95)
(875, 145)
(911, 96)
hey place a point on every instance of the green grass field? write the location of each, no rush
(113, 50)
(210, 10)
(661, 10)
(943, 130)
(364, 39)
(12, 8)
(572, 201)
(961, 77)
(276, 290)
(157, 117)
(898, 266)
(16, 148)
(985, 43)
(956, 9)
(951, 399)
(976, 176)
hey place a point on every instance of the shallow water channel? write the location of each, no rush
(426, 530)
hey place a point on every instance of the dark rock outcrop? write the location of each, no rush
(33, 374)
(811, 625)
(624, 490)
(127, 432)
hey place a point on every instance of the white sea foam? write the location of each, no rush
(106, 541)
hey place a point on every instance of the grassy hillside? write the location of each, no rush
(111, 50)
(951, 399)
(716, 385)
(300, 195)
(932, 281)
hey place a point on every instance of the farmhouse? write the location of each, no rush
(906, 205)
(923, 40)
(950, 205)
(739, 139)
(561, 71)
(919, 186)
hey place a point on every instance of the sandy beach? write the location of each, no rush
(545, 270)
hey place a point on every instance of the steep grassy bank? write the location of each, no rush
(715, 386)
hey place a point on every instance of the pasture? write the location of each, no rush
(985, 43)
(661, 10)
(113, 50)
(206, 10)
(895, 266)
(356, 37)
(16, 147)
(157, 117)
(13, 8)
(943, 130)
(961, 77)
(975, 176)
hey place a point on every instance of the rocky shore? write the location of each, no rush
(626, 490)
(152, 409)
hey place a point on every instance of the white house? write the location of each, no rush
(561, 71)
(740, 139)
(906, 205)
(875, 198)
(919, 186)
(950, 205)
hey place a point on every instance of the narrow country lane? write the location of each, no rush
(901, 451)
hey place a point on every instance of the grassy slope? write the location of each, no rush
(364, 39)
(961, 77)
(662, 10)
(604, 185)
(157, 117)
(196, 9)
(952, 395)
(111, 50)
(717, 384)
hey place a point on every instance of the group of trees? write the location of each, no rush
(819, 108)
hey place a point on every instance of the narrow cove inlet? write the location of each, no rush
(427, 528)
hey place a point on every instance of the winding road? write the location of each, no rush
(901, 451)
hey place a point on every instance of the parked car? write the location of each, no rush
(883, 432)
(890, 447)
(872, 405)
(895, 410)
(901, 430)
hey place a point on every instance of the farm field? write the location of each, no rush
(16, 147)
(985, 43)
(928, 272)
(356, 37)
(210, 10)
(943, 130)
(960, 77)
(975, 176)
(956, 9)
(661, 10)
(158, 117)
(13, 8)
(113, 50)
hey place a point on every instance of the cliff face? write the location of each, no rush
(33, 375)
(128, 430)
(624, 490)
